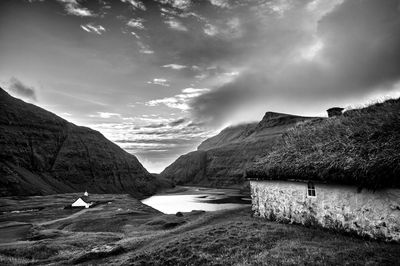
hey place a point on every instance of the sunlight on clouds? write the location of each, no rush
(230, 28)
(74, 8)
(179, 101)
(175, 24)
(175, 66)
(193, 91)
(322, 7)
(105, 115)
(210, 30)
(159, 81)
(220, 3)
(310, 52)
(136, 4)
(233, 73)
(201, 76)
(135, 34)
(280, 55)
(91, 28)
(136, 23)
(279, 7)
(144, 49)
(180, 4)
(380, 95)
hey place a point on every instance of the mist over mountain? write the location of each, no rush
(221, 161)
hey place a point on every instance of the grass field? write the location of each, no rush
(126, 232)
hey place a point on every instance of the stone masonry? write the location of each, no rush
(345, 208)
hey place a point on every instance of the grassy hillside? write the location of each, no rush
(361, 148)
(120, 230)
(42, 154)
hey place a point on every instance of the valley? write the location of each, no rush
(119, 229)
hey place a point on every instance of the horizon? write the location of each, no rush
(159, 77)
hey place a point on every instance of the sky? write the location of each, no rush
(158, 77)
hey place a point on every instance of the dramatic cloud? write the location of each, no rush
(158, 138)
(179, 101)
(139, 72)
(354, 51)
(180, 4)
(74, 8)
(177, 122)
(17, 88)
(210, 30)
(144, 48)
(105, 115)
(136, 4)
(175, 24)
(220, 3)
(159, 81)
(154, 126)
(175, 66)
(136, 23)
(90, 27)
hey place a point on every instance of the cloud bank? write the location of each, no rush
(165, 74)
(354, 51)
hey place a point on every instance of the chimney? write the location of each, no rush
(334, 111)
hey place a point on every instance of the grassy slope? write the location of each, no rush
(127, 232)
(42, 154)
(235, 238)
(360, 148)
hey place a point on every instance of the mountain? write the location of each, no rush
(220, 161)
(41, 153)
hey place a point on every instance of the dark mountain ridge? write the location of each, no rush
(41, 153)
(220, 161)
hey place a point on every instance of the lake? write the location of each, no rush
(186, 199)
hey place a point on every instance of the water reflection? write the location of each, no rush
(186, 199)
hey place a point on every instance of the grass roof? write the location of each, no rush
(360, 148)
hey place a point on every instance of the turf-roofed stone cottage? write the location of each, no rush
(339, 204)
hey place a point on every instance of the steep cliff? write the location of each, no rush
(41, 153)
(221, 160)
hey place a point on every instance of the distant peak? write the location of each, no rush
(274, 115)
(272, 119)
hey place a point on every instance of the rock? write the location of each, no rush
(197, 211)
(41, 153)
(179, 214)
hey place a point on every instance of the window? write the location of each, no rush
(311, 190)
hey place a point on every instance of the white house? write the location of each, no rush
(335, 174)
(83, 201)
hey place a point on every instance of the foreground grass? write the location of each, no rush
(235, 238)
(129, 233)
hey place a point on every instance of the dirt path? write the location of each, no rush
(74, 215)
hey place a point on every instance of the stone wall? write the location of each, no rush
(367, 213)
